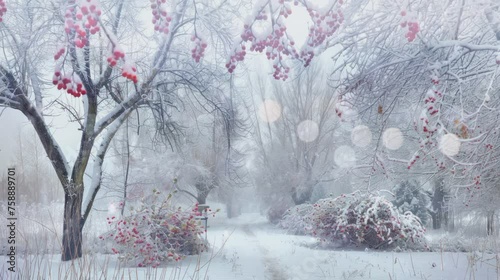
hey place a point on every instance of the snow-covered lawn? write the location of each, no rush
(250, 248)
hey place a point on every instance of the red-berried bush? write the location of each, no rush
(367, 220)
(296, 220)
(156, 232)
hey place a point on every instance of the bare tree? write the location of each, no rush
(294, 149)
(81, 69)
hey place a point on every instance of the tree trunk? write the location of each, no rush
(433, 217)
(202, 196)
(72, 228)
(303, 195)
(490, 222)
(437, 218)
(450, 220)
(202, 191)
(438, 203)
(446, 219)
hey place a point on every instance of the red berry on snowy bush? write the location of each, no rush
(165, 234)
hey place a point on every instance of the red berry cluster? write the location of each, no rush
(59, 53)
(430, 100)
(72, 85)
(307, 56)
(3, 9)
(477, 181)
(339, 106)
(238, 55)
(285, 9)
(431, 103)
(280, 72)
(161, 18)
(434, 79)
(413, 160)
(431, 107)
(199, 48)
(413, 27)
(129, 72)
(324, 26)
(432, 94)
(476, 185)
(278, 44)
(338, 112)
(116, 55)
(155, 233)
(81, 18)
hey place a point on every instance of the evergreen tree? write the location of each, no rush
(411, 197)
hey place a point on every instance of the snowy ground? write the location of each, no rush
(250, 248)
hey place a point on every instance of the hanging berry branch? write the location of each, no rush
(278, 44)
(410, 23)
(161, 18)
(71, 83)
(118, 55)
(324, 26)
(428, 122)
(198, 50)
(82, 20)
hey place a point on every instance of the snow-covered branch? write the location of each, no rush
(98, 163)
(116, 113)
(469, 46)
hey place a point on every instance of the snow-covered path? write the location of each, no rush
(249, 248)
(264, 252)
(274, 270)
(243, 250)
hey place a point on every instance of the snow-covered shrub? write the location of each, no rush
(156, 232)
(411, 197)
(365, 220)
(296, 219)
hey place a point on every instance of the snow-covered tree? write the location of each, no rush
(212, 154)
(409, 196)
(91, 63)
(294, 127)
(445, 76)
